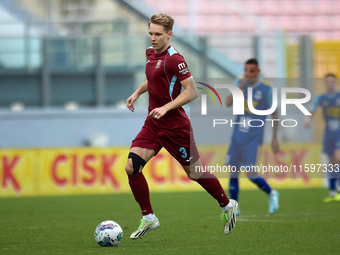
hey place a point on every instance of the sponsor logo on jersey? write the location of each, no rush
(181, 66)
(183, 69)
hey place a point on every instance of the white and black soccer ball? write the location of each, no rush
(108, 233)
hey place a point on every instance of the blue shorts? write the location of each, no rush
(241, 155)
(331, 142)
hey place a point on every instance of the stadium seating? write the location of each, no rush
(220, 16)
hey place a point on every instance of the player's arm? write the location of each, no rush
(187, 95)
(229, 101)
(142, 89)
(308, 118)
(275, 141)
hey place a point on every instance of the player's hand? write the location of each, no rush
(243, 83)
(130, 101)
(158, 113)
(275, 146)
(307, 121)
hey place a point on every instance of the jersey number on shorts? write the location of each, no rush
(184, 152)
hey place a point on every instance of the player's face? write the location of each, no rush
(251, 72)
(330, 83)
(159, 38)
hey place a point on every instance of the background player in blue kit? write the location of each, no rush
(246, 140)
(330, 104)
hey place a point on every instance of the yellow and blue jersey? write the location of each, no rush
(262, 100)
(330, 105)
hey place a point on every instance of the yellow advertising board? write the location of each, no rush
(82, 171)
(97, 171)
(18, 172)
(297, 161)
(326, 58)
(290, 171)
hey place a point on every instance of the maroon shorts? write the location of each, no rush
(179, 142)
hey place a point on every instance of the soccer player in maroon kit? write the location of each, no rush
(168, 126)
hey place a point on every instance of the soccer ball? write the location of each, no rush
(108, 233)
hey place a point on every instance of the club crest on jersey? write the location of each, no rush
(158, 64)
(258, 95)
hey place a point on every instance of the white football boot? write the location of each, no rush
(273, 201)
(144, 227)
(229, 217)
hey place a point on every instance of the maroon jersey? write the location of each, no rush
(164, 72)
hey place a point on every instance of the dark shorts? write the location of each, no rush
(179, 142)
(242, 155)
(331, 142)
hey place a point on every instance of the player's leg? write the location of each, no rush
(273, 195)
(260, 182)
(234, 189)
(234, 186)
(212, 185)
(337, 184)
(232, 160)
(331, 182)
(138, 157)
(143, 148)
(336, 170)
(333, 174)
(208, 181)
(333, 157)
(181, 145)
(249, 158)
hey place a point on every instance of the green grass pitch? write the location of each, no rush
(189, 221)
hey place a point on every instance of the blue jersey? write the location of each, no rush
(330, 109)
(262, 100)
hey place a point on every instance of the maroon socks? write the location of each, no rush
(212, 185)
(140, 191)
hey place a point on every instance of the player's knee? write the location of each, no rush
(251, 175)
(129, 167)
(190, 176)
(135, 164)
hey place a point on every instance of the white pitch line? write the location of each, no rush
(258, 220)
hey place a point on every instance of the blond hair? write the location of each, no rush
(162, 19)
